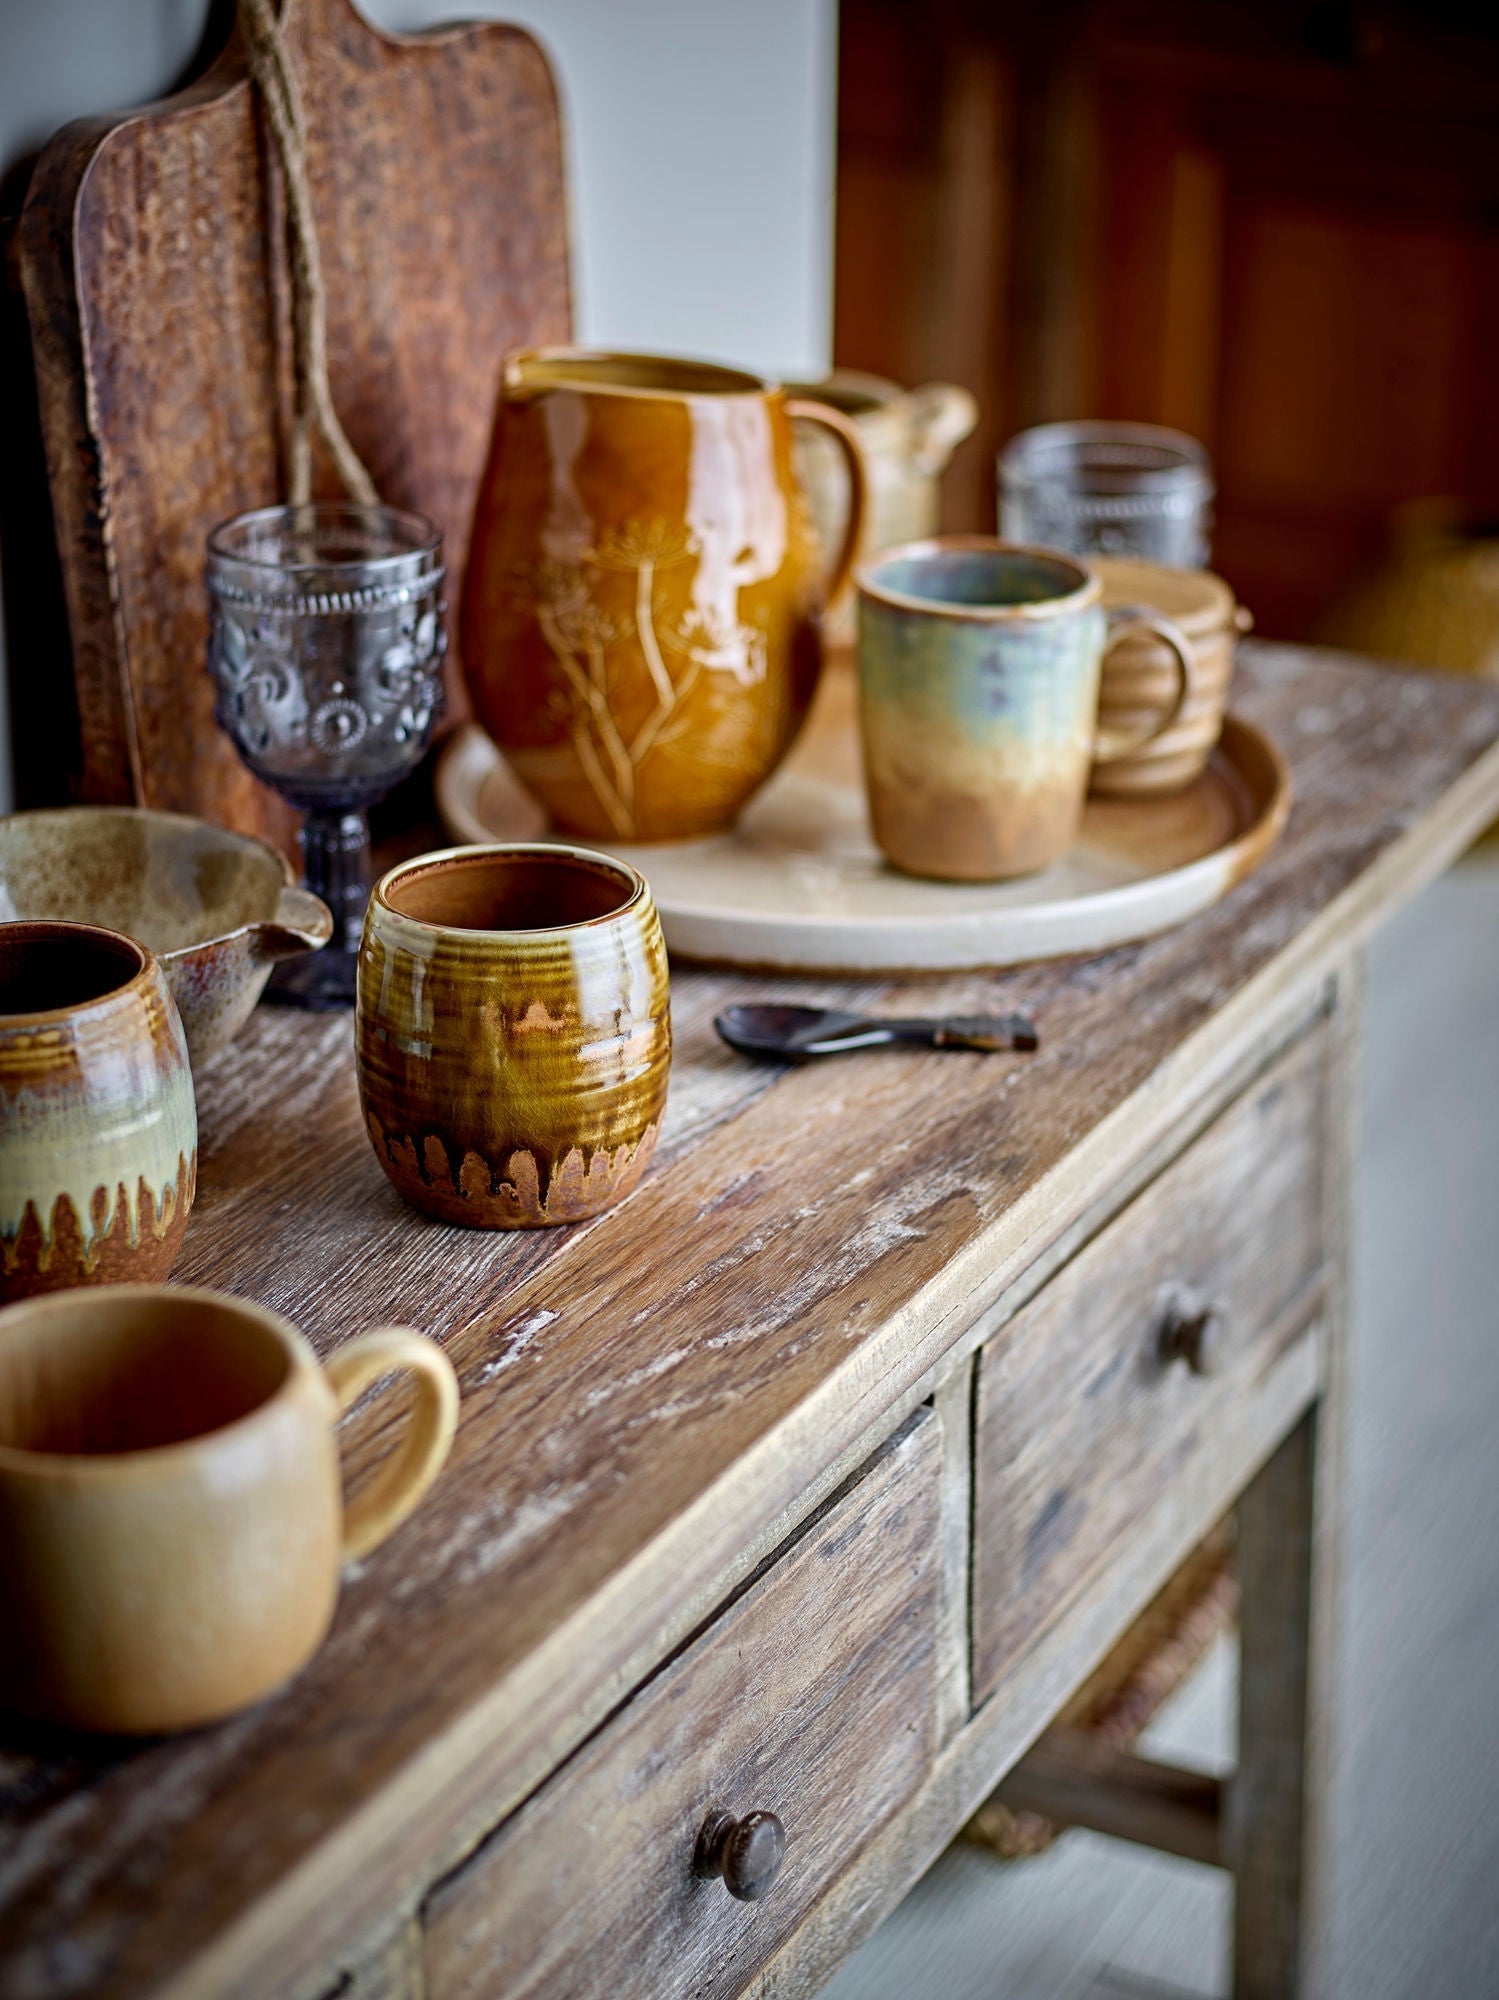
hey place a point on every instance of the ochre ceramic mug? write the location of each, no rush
(643, 600)
(979, 670)
(171, 1523)
(98, 1123)
(513, 1032)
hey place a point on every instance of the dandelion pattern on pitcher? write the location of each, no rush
(584, 637)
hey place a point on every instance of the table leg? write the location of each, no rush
(1287, 1556)
(1276, 1798)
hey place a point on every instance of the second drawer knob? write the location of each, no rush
(746, 1852)
(1195, 1332)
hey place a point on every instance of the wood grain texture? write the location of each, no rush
(391, 1970)
(813, 1697)
(1080, 1420)
(150, 260)
(646, 1394)
(953, 1400)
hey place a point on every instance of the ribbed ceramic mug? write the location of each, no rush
(1202, 608)
(98, 1123)
(513, 1032)
(979, 670)
(171, 1522)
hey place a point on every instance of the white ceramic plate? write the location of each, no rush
(799, 885)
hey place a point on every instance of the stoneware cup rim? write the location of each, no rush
(52, 927)
(635, 890)
(1085, 590)
(697, 379)
(94, 1466)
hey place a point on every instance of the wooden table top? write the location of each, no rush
(646, 1397)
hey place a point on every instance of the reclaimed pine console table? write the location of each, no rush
(810, 1482)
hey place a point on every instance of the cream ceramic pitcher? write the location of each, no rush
(907, 437)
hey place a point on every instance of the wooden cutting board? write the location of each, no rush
(151, 262)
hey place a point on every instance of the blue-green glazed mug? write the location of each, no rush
(979, 665)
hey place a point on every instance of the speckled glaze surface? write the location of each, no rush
(641, 611)
(978, 695)
(513, 1033)
(98, 1124)
(171, 1520)
(216, 909)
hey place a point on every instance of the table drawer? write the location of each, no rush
(1087, 1424)
(812, 1697)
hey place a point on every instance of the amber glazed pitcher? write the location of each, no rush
(642, 610)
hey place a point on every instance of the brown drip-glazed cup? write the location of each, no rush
(513, 1032)
(98, 1123)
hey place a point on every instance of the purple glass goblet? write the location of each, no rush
(326, 642)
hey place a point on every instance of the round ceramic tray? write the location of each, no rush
(799, 885)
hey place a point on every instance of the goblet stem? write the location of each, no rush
(336, 866)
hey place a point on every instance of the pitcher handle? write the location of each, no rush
(404, 1478)
(941, 415)
(1112, 744)
(802, 409)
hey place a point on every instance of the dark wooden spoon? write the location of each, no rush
(792, 1033)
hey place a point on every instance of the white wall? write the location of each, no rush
(700, 141)
(700, 147)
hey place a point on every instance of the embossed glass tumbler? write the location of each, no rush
(1104, 489)
(326, 642)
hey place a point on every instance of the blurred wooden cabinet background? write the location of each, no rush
(1274, 226)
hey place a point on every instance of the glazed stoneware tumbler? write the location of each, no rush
(171, 1522)
(642, 609)
(98, 1124)
(513, 1032)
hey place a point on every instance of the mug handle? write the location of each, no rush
(1109, 745)
(802, 409)
(404, 1478)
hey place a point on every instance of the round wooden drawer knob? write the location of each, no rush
(746, 1852)
(1196, 1333)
